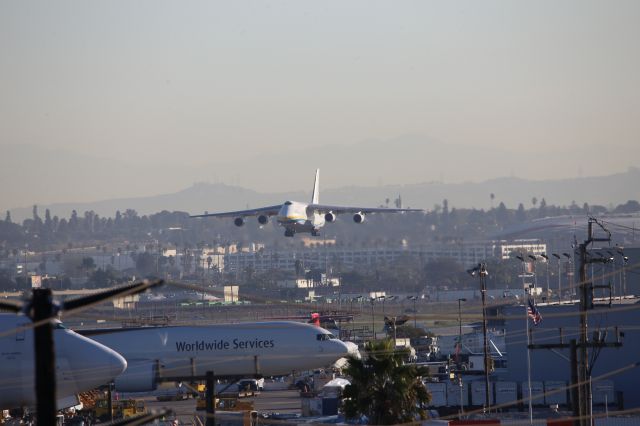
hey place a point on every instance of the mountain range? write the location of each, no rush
(607, 190)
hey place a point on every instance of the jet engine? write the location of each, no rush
(358, 217)
(238, 221)
(330, 217)
(263, 219)
(138, 377)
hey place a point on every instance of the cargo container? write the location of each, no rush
(478, 393)
(560, 397)
(505, 392)
(438, 394)
(603, 392)
(453, 394)
(537, 390)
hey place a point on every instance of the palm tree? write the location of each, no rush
(383, 388)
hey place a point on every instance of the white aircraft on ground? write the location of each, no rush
(81, 363)
(297, 217)
(243, 349)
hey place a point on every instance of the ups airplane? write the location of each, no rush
(298, 217)
(243, 349)
(81, 363)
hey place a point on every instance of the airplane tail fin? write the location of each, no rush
(315, 198)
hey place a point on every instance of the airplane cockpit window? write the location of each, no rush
(287, 203)
(327, 336)
(60, 326)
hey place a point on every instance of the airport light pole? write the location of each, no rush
(460, 353)
(358, 298)
(568, 256)
(623, 278)
(534, 259)
(373, 318)
(383, 299)
(557, 256)
(460, 329)
(390, 298)
(481, 271)
(612, 260)
(415, 313)
(546, 267)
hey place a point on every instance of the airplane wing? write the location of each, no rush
(268, 211)
(323, 208)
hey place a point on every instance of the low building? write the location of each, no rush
(562, 322)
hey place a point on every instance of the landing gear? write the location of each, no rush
(289, 232)
(315, 233)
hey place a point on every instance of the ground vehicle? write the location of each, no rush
(122, 409)
(225, 400)
(251, 384)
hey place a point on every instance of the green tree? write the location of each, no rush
(383, 388)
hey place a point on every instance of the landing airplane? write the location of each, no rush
(243, 349)
(81, 364)
(297, 217)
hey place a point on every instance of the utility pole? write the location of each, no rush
(580, 369)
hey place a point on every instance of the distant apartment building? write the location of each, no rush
(324, 257)
(324, 281)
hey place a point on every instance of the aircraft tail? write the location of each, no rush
(315, 198)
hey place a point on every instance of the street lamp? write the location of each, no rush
(481, 271)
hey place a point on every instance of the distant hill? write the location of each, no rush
(604, 190)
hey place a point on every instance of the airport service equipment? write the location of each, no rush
(230, 350)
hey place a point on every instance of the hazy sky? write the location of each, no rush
(185, 86)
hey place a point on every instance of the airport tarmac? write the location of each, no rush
(275, 398)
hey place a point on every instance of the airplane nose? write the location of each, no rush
(118, 364)
(353, 350)
(340, 348)
(107, 363)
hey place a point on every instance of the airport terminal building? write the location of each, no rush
(465, 253)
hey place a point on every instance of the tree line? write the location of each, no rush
(442, 223)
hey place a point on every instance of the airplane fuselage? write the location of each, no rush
(81, 364)
(262, 348)
(296, 217)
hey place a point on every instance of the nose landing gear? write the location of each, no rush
(289, 232)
